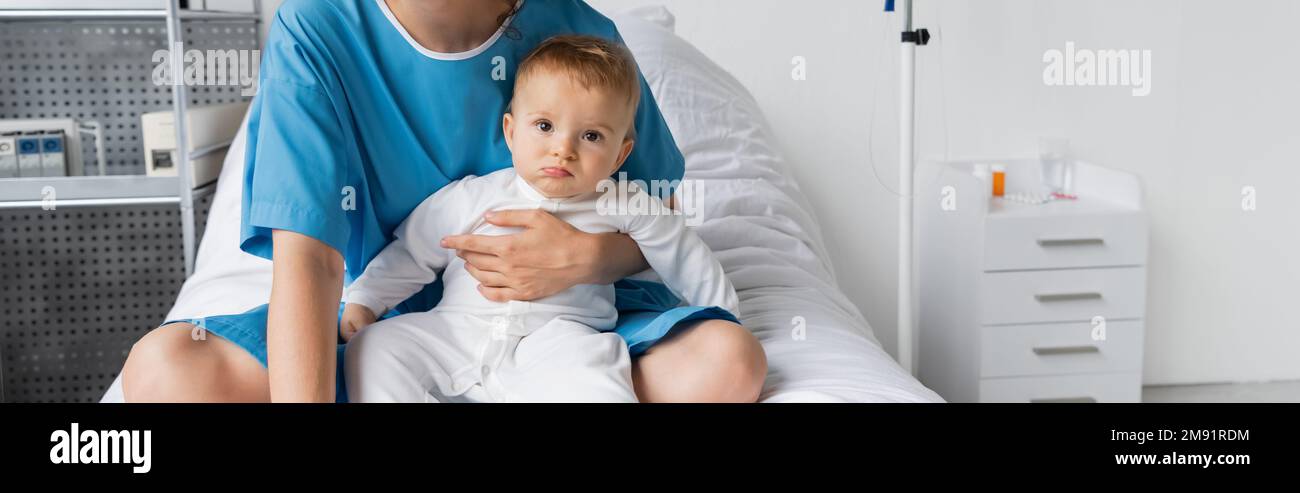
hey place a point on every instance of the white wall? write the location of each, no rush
(1222, 114)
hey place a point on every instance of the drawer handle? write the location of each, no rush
(1048, 298)
(1053, 351)
(1065, 400)
(1069, 242)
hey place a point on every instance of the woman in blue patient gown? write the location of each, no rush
(355, 123)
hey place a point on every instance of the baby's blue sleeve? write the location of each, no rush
(298, 162)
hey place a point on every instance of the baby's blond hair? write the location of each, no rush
(589, 61)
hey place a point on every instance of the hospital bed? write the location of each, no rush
(819, 346)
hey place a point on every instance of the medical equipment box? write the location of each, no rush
(8, 156)
(207, 127)
(29, 155)
(52, 158)
(32, 148)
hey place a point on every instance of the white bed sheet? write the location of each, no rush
(756, 221)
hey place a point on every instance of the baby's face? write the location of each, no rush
(566, 138)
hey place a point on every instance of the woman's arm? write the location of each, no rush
(301, 325)
(549, 256)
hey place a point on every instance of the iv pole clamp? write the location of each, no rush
(920, 37)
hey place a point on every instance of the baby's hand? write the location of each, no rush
(355, 318)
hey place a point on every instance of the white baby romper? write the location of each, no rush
(469, 348)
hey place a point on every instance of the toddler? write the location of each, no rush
(568, 128)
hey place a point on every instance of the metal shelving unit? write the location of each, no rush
(145, 190)
(125, 14)
(81, 284)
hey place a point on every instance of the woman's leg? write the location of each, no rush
(169, 365)
(710, 361)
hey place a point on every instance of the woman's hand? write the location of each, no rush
(355, 317)
(549, 256)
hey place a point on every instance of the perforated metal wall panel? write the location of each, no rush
(103, 71)
(79, 285)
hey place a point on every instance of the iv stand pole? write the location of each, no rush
(906, 164)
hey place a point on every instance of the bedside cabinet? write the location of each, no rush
(1030, 303)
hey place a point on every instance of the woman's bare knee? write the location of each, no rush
(712, 361)
(176, 363)
(736, 365)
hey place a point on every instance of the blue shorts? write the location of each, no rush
(647, 312)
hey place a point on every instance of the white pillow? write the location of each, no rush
(655, 14)
(727, 143)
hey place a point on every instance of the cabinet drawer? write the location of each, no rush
(1065, 241)
(1059, 349)
(1107, 387)
(1062, 295)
